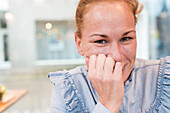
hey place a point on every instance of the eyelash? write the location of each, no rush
(100, 41)
(105, 41)
(126, 39)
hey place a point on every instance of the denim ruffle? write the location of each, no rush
(162, 100)
(65, 85)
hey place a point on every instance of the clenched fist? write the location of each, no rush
(106, 77)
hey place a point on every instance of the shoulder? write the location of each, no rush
(156, 77)
(147, 70)
(68, 84)
(142, 63)
(61, 76)
(77, 70)
(161, 66)
(68, 79)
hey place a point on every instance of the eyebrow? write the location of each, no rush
(105, 36)
(101, 35)
(128, 32)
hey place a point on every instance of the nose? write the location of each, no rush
(115, 52)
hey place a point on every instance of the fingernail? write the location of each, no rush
(119, 63)
(92, 56)
(109, 55)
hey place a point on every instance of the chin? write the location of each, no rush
(126, 72)
(87, 64)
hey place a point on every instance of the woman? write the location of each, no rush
(114, 80)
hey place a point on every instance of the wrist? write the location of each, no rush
(113, 107)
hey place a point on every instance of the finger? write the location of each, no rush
(109, 66)
(92, 64)
(118, 70)
(100, 63)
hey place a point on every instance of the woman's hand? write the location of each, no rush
(106, 78)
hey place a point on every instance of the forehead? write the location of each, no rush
(110, 13)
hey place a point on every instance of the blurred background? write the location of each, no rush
(37, 36)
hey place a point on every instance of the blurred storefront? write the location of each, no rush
(163, 25)
(159, 31)
(36, 33)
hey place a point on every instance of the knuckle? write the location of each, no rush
(99, 80)
(101, 56)
(107, 80)
(99, 73)
(98, 77)
(116, 79)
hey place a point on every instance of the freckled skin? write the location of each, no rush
(112, 20)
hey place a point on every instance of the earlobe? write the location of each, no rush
(78, 43)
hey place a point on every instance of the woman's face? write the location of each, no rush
(109, 28)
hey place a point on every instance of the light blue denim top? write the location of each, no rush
(146, 91)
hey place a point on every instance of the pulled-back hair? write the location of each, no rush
(134, 5)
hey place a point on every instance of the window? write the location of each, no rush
(159, 27)
(55, 40)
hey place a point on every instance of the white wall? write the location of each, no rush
(4, 5)
(143, 35)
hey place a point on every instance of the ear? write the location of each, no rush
(78, 43)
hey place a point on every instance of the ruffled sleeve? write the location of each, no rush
(165, 86)
(63, 84)
(162, 101)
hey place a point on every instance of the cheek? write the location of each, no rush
(130, 57)
(133, 50)
(92, 50)
(88, 50)
(130, 51)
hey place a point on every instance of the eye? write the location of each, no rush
(100, 41)
(125, 39)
